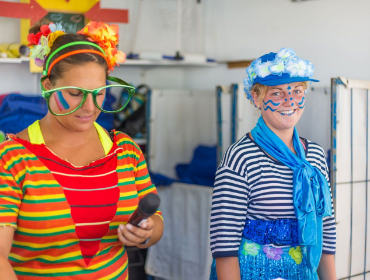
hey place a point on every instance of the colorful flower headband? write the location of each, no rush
(276, 69)
(103, 35)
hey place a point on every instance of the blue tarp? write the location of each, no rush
(18, 111)
(200, 171)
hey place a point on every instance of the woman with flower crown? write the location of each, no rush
(67, 186)
(272, 213)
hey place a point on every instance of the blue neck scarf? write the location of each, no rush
(311, 193)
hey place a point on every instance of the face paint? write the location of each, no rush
(302, 103)
(102, 105)
(266, 107)
(61, 102)
(289, 87)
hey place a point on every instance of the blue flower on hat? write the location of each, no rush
(285, 53)
(277, 68)
(263, 69)
(282, 66)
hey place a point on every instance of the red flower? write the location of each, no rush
(34, 39)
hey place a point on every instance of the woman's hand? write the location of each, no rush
(130, 235)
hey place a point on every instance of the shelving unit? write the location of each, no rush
(131, 62)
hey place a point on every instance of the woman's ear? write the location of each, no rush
(47, 84)
(256, 101)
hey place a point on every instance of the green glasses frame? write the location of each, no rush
(47, 94)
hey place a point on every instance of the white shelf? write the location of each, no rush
(132, 62)
(14, 60)
(140, 141)
(142, 62)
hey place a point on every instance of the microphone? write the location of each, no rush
(148, 205)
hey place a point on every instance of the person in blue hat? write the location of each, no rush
(272, 211)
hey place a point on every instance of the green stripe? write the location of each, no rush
(148, 188)
(6, 175)
(38, 219)
(129, 143)
(141, 163)
(142, 177)
(45, 234)
(14, 188)
(125, 169)
(41, 260)
(86, 272)
(12, 149)
(46, 248)
(124, 212)
(22, 159)
(43, 200)
(20, 179)
(7, 206)
(128, 156)
(41, 186)
(126, 183)
(128, 197)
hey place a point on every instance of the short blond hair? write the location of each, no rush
(261, 90)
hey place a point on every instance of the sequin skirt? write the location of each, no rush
(266, 262)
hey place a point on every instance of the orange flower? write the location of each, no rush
(106, 36)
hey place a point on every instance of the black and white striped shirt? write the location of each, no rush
(251, 185)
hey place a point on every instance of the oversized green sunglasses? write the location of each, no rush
(66, 100)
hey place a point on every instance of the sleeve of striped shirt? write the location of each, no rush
(329, 228)
(10, 198)
(229, 210)
(143, 182)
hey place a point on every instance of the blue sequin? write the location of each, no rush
(259, 267)
(278, 232)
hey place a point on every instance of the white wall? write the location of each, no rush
(330, 33)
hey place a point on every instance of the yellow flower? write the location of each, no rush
(53, 36)
(296, 254)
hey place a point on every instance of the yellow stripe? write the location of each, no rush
(10, 189)
(114, 274)
(43, 197)
(141, 167)
(125, 139)
(40, 182)
(125, 166)
(158, 214)
(13, 159)
(12, 200)
(122, 180)
(45, 214)
(131, 208)
(47, 257)
(144, 181)
(44, 245)
(9, 214)
(87, 176)
(145, 192)
(20, 173)
(130, 153)
(7, 178)
(91, 224)
(30, 169)
(65, 269)
(124, 194)
(9, 147)
(48, 230)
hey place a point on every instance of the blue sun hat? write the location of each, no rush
(274, 69)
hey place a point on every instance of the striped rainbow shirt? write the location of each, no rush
(66, 217)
